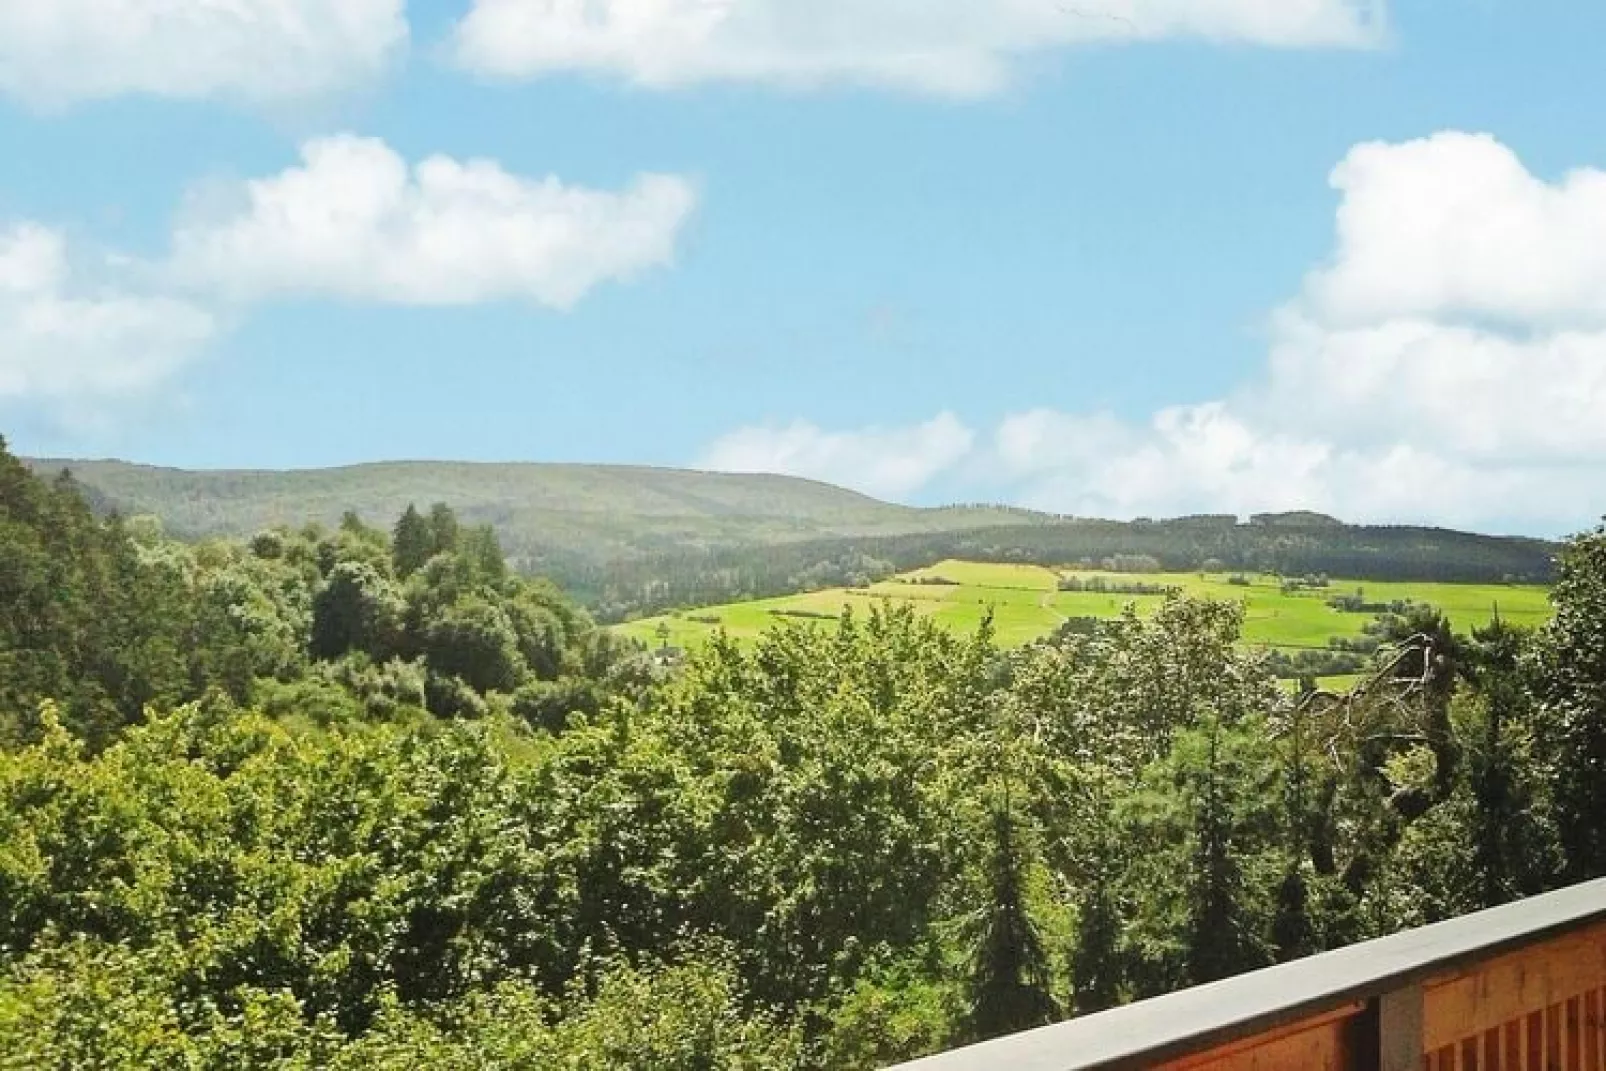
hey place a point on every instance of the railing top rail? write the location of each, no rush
(1198, 1019)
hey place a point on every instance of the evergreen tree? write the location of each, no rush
(1510, 844)
(1010, 979)
(412, 542)
(1293, 933)
(1096, 961)
(484, 552)
(1221, 937)
(443, 529)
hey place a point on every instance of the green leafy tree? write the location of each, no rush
(475, 641)
(358, 609)
(1574, 718)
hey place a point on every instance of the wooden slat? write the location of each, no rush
(1592, 1027)
(1484, 996)
(1325, 1042)
(1573, 1056)
(1599, 1033)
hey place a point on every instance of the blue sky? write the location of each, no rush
(1123, 257)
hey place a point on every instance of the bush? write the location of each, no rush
(452, 697)
(548, 705)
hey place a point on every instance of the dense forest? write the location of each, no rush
(361, 797)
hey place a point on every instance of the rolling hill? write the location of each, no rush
(594, 512)
(632, 541)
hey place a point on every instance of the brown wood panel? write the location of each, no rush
(1541, 980)
(1324, 1043)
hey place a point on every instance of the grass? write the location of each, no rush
(1027, 605)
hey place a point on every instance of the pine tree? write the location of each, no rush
(1293, 934)
(1219, 945)
(1098, 935)
(1010, 979)
(412, 542)
(443, 528)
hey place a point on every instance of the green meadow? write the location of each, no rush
(1027, 604)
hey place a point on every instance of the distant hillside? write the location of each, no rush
(542, 512)
(634, 541)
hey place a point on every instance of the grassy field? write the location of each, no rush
(1027, 604)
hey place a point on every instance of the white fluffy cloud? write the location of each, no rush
(888, 462)
(1455, 226)
(56, 52)
(66, 340)
(958, 47)
(1447, 364)
(355, 222)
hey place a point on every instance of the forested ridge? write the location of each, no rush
(632, 542)
(361, 797)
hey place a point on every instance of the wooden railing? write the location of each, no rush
(1516, 988)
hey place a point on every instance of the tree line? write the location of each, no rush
(360, 798)
(1295, 545)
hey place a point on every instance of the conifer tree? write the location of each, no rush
(1010, 978)
(412, 542)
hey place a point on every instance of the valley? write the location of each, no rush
(1028, 604)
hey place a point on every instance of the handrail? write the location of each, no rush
(1379, 983)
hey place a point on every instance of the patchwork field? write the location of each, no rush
(1027, 604)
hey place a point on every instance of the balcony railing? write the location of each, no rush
(1517, 988)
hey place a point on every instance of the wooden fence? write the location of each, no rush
(1516, 988)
